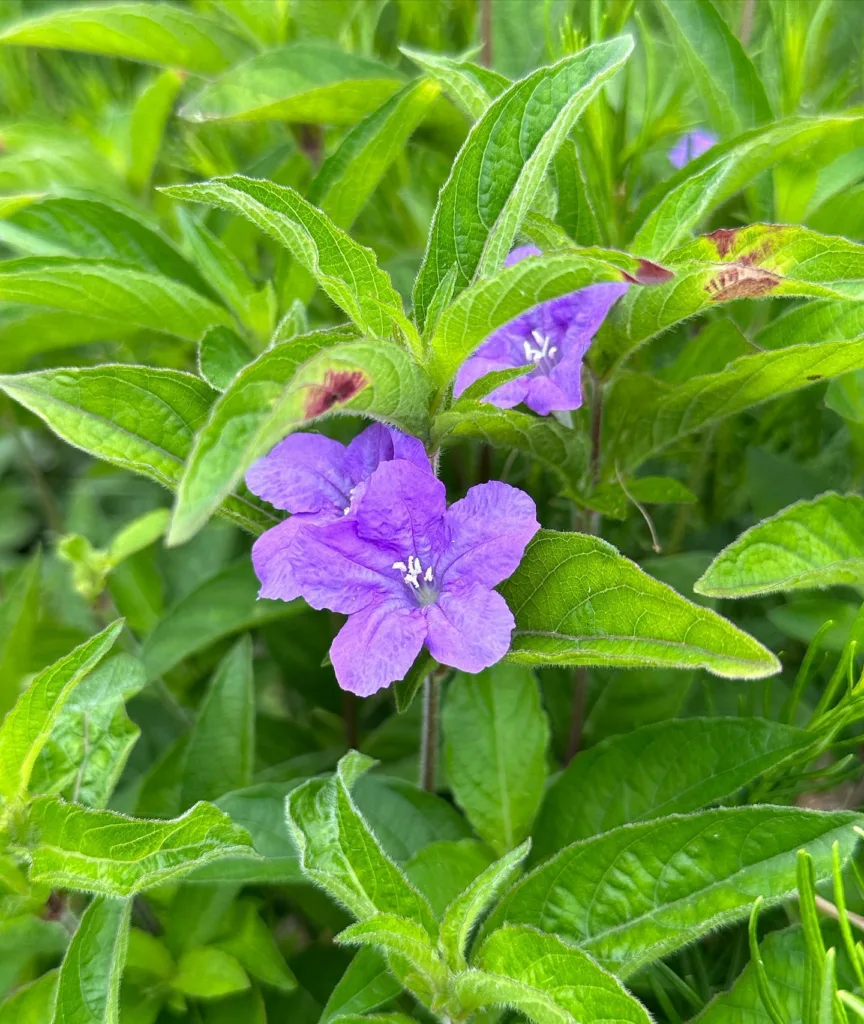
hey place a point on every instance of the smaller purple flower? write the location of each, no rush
(691, 145)
(318, 480)
(553, 337)
(408, 571)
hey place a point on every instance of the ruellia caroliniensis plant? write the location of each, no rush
(430, 541)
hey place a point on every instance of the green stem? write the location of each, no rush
(429, 738)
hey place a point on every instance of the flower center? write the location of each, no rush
(543, 356)
(421, 582)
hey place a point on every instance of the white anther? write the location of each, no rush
(428, 575)
(543, 351)
(401, 566)
(345, 511)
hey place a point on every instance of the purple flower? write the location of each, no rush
(407, 570)
(553, 336)
(691, 145)
(318, 480)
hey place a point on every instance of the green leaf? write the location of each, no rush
(639, 892)
(565, 597)
(376, 1018)
(718, 64)
(221, 750)
(577, 213)
(88, 989)
(209, 973)
(304, 82)
(564, 452)
(92, 737)
(222, 605)
(31, 1004)
(154, 33)
(339, 852)
(221, 356)
(759, 261)
(465, 911)
(404, 818)
(25, 730)
(104, 852)
(477, 989)
(260, 809)
(567, 975)
(347, 271)
(19, 612)
(287, 388)
(682, 766)
(26, 331)
(784, 956)
(354, 171)
(138, 418)
(95, 228)
(501, 166)
(666, 414)
(494, 301)
(495, 739)
(470, 86)
(111, 291)
(444, 870)
(400, 936)
(23, 938)
(810, 544)
(366, 984)
(255, 308)
(150, 115)
(668, 213)
(252, 943)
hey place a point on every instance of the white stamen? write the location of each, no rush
(345, 511)
(412, 572)
(543, 350)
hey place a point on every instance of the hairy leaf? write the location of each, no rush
(348, 272)
(88, 988)
(25, 730)
(470, 86)
(366, 984)
(568, 975)
(817, 543)
(670, 767)
(500, 167)
(19, 612)
(113, 292)
(642, 891)
(139, 418)
(287, 388)
(568, 600)
(340, 853)
(105, 852)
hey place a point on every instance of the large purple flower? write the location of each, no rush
(407, 570)
(691, 145)
(553, 337)
(318, 480)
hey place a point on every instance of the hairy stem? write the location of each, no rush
(429, 738)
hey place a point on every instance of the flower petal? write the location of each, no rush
(380, 443)
(520, 253)
(270, 558)
(377, 646)
(485, 534)
(401, 510)
(469, 627)
(691, 146)
(303, 473)
(336, 569)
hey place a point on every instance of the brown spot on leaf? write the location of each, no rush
(814, 376)
(337, 388)
(740, 281)
(649, 273)
(723, 239)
